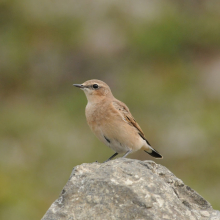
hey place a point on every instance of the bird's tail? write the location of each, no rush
(150, 150)
(154, 153)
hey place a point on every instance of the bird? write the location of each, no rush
(112, 122)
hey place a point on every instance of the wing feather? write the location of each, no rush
(127, 116)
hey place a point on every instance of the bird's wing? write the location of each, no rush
(127, 117)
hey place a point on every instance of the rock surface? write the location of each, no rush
(128, 189)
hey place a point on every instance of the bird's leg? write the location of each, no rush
(111, 157)
(126, 154)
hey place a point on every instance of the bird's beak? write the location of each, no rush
(79, 86)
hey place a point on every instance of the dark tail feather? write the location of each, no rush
(155, 154)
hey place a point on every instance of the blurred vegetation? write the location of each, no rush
(161, 58)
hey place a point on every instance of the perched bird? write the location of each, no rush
(111, 121)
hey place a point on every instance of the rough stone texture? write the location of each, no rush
(128, 189)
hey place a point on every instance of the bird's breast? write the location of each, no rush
(97, 115)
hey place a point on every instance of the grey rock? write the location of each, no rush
(128, 189)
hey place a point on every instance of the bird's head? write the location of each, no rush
(95, 90)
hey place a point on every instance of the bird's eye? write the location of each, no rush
(95, 86)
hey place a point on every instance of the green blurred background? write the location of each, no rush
(162, 58)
